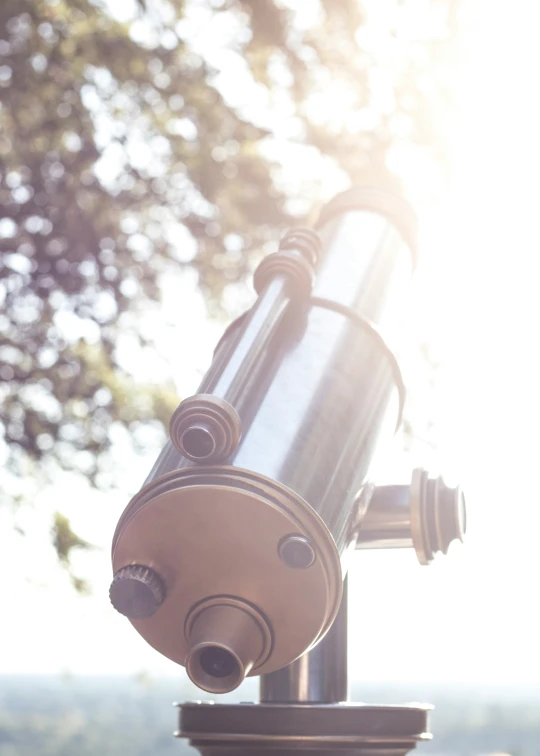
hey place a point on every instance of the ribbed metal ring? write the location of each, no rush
(290, 263)
(211, 415)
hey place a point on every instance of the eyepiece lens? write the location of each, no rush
(217, 662)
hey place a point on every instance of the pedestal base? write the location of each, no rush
(315, 729)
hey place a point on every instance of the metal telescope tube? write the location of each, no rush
(231, 558)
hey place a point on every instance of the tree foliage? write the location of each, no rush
(134, 144)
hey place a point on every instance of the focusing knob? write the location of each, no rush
(438, 515)
(136, 591)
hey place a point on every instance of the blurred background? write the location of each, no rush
(151, 152)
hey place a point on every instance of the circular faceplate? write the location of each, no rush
(217, 540)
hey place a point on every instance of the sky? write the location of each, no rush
(474, 615)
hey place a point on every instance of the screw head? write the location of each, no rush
(296, 551)
(137, 591)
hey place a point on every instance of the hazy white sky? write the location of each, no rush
(473, 615)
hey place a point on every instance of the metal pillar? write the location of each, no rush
(304, 706)
(319, 676)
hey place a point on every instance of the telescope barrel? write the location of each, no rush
(207, 427)
(231, 558)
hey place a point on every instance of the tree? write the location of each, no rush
(132, 145)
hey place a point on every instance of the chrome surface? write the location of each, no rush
(389, 205)
(387, 522)
(325, 389)
(195, 429)
(367, 266)
(233, 376)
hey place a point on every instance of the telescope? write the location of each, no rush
(232, 559)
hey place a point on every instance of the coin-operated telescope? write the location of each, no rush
(232, 558)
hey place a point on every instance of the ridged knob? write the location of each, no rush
(136, 591)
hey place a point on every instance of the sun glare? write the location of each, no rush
(475, 304)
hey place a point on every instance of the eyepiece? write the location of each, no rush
(227, 639)
(214, 668)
